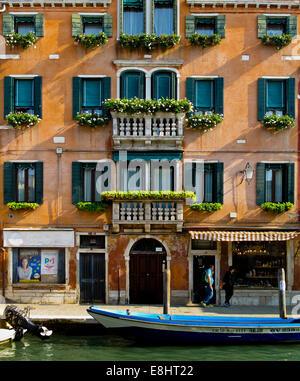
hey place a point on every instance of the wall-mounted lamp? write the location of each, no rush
(247, 173)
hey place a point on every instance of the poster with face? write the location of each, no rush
(29, 265)
(49, 261)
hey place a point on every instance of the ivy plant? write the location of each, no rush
(147, 195)
(91, 120)
(91, 206)
(277, 207)
(204, 41)
(22, 119)
(204, 122)
(278, 123)
(91, 40)
(206, 206)
(22, 205)
(278, 42)
(15, 39)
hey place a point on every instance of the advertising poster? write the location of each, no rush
(49, 259)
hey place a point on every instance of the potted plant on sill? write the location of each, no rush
(91, 120)
(276, 123)
(92, 40)
(204, 122)
(204, 41)
(21, 120)
(277, 207)
(146, 195)
(92, 206)
(277, 41)
(148, 41)
(15, 40)
(207, 207)
(22, 205)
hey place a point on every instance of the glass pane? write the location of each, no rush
(31, 185)
(163, 20)
(275, 94)
(21, 184)
(278, 185)
(92, 28)
(204, 29)
(275, 29)
(208, 188)
(133, 21)
(92, 93)
(24, 93)
(87, 184)
(24, 28)
(131, 85)
(204, 94)
(269, 176)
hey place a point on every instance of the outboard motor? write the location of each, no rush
(19, 320)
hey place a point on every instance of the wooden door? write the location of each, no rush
(92, 278)
(146, 278)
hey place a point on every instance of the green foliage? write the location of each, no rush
(204, 41)
(277, 41)
(91, 120)
(22, 205)
(92, 40)
(22, 119)
(278, 207)
(146, 195)
(204, 122)
(207, 206)
(148, 41)
(16, 39)
(91, 206)
(278, 123)
(148, 106)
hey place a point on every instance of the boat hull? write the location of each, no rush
(7, 335)
(194, 332)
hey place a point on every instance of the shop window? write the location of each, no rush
(23, 24)
(164, 15)
(132, 84)
(23, 95)
(89, 95)
(257, 263)
(205, 25)
(207, 95)
(164, 85)
(198, 244)
(23, 182)
(92, 241)
(35, 265)
(91, 24)
(133, 17)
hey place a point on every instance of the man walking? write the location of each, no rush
(228, 283)
(209, 291)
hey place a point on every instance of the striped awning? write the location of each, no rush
(243, 235)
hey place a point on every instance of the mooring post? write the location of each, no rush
(167, 292)
(282, 296)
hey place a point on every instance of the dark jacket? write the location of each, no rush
(228, 280)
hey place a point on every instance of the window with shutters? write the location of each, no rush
(208, 182)
(91, 24)
(164, 85)
(276, 26)
(205, 25)
(164, 17)
(23, 182)
(133, 16)
(23, 25)
(275, 182)
(132, 84)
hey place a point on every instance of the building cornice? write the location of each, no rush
(245, 4)
(54, 3)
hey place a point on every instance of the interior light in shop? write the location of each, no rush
(247, 173)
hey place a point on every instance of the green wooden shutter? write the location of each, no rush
(39, 25)
(219, 95)
(8, 95)
(261, 26)
(220, 25)
(77, 182)
(132, 85)
(261, 98)
(39, 181)
(8, 24)
(77, 84)
(15, 259)
(260, 183)
(77, 26)
(61, 276)
(290, 194)
(189, 25)
(9, 182)
(38, 96)
(175, 12)
(190, 89)
(173, 85)
(292, 25)
(219, 182)
(121, 17)
(106, 92)
(290, 97)
(108, 25)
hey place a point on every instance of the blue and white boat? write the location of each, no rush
(198, 329)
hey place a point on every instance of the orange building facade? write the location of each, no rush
(116, 255)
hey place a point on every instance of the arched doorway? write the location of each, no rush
(145, 272)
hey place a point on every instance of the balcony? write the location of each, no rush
(147, 214)
(160, 131)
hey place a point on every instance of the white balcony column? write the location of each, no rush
(148, 122)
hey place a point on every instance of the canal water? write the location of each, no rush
(66, 346)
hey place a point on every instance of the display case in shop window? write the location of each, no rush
(257, 263)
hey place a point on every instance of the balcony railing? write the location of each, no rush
(162, 130)
(147, 213)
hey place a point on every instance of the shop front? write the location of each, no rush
(257, 257)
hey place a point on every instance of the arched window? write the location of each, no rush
(164, 85)
(132, 84)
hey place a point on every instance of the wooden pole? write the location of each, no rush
(282, 296)
(166, 287)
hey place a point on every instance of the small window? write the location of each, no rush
(92, 96)
(276, 27)
(203, 245)
(24, 25)
(133, 17)
(90, 176)
(275, 98)
(204, 96)
(25, 176)
(24, 95)
(205, 26)
(92, 241)
(274, 182)
(132, 85)
(163, 17)
(209, 186)
(92, 25)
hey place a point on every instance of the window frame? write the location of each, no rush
(96, 20)
(174, 8)
(271, 110)
(26, 108)
(9, 22)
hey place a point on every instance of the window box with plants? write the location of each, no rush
(278, 42)
(276, 123)
(91, 206)
(91, 120)
(204, 122)
(197, 39)
(277, 207)
(147, 195)
(206, 207)
(22, 205)
(149, 41)
(91, 40)
(17, 40)
(21, 120)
